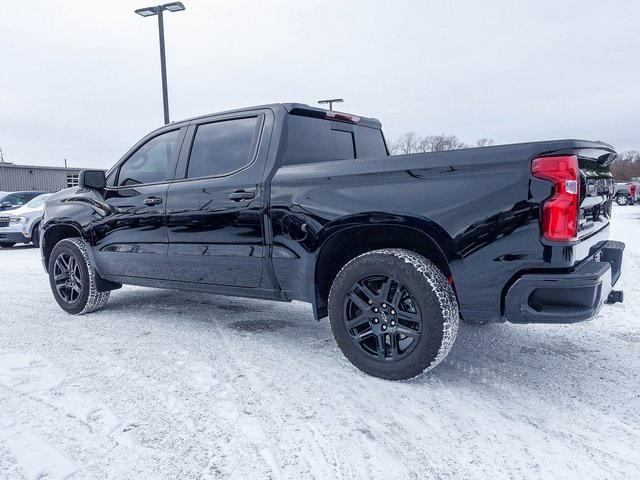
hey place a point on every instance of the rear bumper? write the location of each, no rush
(566, 297)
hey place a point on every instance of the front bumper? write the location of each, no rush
(13, 237)
(566, 297)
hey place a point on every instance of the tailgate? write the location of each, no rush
(596, 190)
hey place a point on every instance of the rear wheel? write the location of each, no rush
(622, 200)
(393, 313)
(73, 278)
(7, 244)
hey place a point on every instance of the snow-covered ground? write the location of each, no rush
(164, 384)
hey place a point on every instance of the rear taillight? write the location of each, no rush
(560, 212)
(632, 190)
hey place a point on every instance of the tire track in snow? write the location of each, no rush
(339, 461)
(277, 416)
(37, 457)
(35, 379)
(38, 379)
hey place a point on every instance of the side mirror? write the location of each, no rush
(6, 204)
(92, 179)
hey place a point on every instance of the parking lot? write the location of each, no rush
(164, 384)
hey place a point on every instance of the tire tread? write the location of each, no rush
(95, 300)
(443, 292)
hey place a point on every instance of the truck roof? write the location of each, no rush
(301, 109)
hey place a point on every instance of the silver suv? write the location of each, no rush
(22, 225)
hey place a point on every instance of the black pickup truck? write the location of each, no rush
(290, 202)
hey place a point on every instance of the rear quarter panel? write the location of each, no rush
(481, 206)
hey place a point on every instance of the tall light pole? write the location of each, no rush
(331, 101)
(149, 12)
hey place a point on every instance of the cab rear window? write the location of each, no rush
(313, 140)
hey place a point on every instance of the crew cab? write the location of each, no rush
(289, 202)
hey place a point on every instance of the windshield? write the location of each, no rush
(37, 201)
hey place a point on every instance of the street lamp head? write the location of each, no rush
(147, 11)
(173, 6)
(150, 11)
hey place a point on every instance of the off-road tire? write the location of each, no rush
(435, 297)
(89, 299)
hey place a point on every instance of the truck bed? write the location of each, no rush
(480, 205)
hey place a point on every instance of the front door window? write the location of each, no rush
(150, 163)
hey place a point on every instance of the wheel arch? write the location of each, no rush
(350, 241)
(36, 224)
(52, 234)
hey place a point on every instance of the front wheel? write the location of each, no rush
(73, 278)
(622, 200)
(393, 313)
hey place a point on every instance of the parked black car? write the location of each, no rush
(289, 202)
(11, 200)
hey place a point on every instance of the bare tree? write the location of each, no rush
(440, 143)
(627, 166)
(410, 142)
(406, 143)
(485, 142)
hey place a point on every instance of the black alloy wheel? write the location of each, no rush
(67, 276)
(73, 278)
(382, 317)
(393, 313)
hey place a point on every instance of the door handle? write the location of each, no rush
(241, 195)
(152, 201)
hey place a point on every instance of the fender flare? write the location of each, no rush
(430, 230)
(34, 225)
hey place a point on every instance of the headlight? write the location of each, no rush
(17, 220)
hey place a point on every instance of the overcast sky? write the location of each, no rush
(81, 79)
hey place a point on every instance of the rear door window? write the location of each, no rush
(223, 147)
